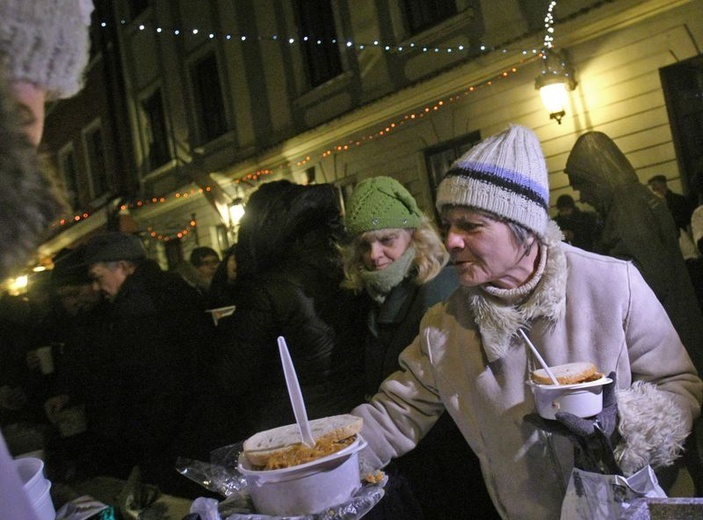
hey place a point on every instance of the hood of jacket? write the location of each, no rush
(598, 165)
(287, 223)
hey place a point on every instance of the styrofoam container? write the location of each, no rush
(305, 488)
(581, 399)
(36, 486)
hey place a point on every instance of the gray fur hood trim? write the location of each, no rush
(500, 320)
(652, 425)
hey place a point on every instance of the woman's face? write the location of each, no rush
(484, 250)
(383, 247)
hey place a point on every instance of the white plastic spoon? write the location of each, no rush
(539, 358)
(296, 396)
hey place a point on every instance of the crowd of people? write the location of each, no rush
(416, 334)
(112, 362)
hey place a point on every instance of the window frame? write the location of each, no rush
(99, 181)
(70, 180)
(147, 131)
(319, 69)
(200, 112)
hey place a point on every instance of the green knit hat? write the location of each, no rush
(381, 203)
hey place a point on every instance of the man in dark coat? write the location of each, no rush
(580, 228)
(637, 226)
(153, 333)
(679, 206)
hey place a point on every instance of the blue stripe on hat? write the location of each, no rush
(506, 179)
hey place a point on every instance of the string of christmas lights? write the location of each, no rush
(549, 26)
(291, 40)
(410, 117)
(351, 143)
(177, 235)
(384, 131)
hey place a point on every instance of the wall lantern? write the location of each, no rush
(236, 211)
(554, 82)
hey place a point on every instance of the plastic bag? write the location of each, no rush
(594, 496)
(221, 476)
(85, 508)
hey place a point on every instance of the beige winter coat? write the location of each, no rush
(468, 359)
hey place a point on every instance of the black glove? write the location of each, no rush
(592, 437)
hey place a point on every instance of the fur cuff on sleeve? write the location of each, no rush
(652, 426)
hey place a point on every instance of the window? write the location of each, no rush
(683, 91)
(69, 173)
(318, 37)
(209, 104)
(158, 152)
(422, 14)
(97, 167)
(439, 158)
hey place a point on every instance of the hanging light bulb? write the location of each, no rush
(554, 82)
(236, 211)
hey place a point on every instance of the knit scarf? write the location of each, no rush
(499, 313)
(380, 283)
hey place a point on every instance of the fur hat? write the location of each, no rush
(113, 246)
(29, 201)
(504, 174)
(381, 203)
(46, 42)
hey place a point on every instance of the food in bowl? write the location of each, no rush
(282, 447)
(568, 374)
(581, 399)
(313, 479)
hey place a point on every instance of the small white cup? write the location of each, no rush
(46, 360)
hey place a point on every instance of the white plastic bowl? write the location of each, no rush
(305, 488)
(582, 399)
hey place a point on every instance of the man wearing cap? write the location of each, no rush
(153, 333)
(469, 358)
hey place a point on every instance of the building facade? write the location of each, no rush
(218, 96)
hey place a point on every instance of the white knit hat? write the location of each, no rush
(45, 42)
(504, 174)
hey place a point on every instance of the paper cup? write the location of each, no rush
(582, 399)
(36, 486)
(306, 488)
(46, 360)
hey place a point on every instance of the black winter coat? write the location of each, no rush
(288, 284)
(459, 492)
(152, 337)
